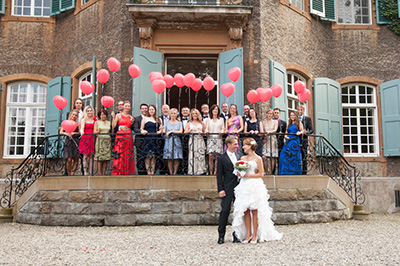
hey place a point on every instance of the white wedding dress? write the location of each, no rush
(252, 194)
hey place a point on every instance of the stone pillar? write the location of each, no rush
(146, 27)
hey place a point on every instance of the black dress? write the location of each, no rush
(255, 127)
(71, 145)
(151, 147)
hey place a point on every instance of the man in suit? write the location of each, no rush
(144, 109)
(205, 112)
(185, 112)
(226, 182)
(281, 129)
(246, 110)
(225, 111)
(307, 129)
(161, 163)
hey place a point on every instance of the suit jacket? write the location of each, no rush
(281, 129)
(307, 125)
(226, 180)
(136, 129)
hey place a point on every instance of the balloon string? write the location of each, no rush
(189, 97)
(195, 99)
(179, 101)
(208, 97)
(169, 97)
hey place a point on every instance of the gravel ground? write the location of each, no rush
(373, 242)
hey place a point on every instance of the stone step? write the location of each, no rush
(6, 211)
(6, 218)
(361, 215)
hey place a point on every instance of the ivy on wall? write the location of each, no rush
(392, 13)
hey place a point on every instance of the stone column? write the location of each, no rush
(146, 27)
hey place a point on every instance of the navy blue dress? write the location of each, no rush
(255, 127)
(290, 156)
(150, 147)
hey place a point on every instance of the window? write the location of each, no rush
(360, 135)
(193, 2)
(354, 11)
(25, 118)
(84, 2)
(87, 99)
(293, 101)
(31, 8)
(297, 3)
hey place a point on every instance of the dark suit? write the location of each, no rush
(226, 181)
(307, 125)
(281, 138)
(138, 144)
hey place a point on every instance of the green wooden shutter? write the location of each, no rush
(398, 6)
(227, 60)
(330, 10)
(2, 6)
(278, 76)
(317, 7)
(142, 92)
(390, 109)
(59, 6)
(328, 111)
(58, 86)
(380, 10)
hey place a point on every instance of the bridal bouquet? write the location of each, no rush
(241, 167)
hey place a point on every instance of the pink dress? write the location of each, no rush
(233, 124)
(86, 144)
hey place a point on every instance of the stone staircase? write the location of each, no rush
(6, 215)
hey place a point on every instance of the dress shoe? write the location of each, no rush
(235, 238)
(221, 240)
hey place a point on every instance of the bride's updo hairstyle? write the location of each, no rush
(251, 142)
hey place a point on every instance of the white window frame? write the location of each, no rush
(30, 106)
(297, 3)
(353, 13)
(32, 8)
(84, 2)
(292, 77)
(86, 98)
(359, 106)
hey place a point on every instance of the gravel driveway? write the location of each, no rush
(373, 242)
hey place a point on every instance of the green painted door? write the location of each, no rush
(278, 76)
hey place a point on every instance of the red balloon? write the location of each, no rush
(169, 80)
(134, 71)
(69, 125)
(208, 83)
(197, 84)
(155, 75)
(113, 64)
(179, 80)
(227, 89)
(86, 87)
(189, 79)
(107, 101)
(60, 102)
(304, 96)
(252, 96)
(103, 75)
(276, 90)
(234, 74)
(158, 85)
(299, 86)
(261, 94)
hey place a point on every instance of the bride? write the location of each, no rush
(252, 201)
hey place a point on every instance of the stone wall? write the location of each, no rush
(168, 207)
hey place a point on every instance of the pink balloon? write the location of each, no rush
(155, 75)
(260, 94)
(107, 101)
(103, 75)
(208, 83)
(158, 85)
(234, 74)
(189, 79)
(169, 81)
(86, 87)
(134, 71)
(197, 84)
(276, 90)
(113, 64)
(303, 97)
(69, 125)
(227, 89)
(179, 80)
(252, 96)
(264, 94)
(60, 102)
(299, 86)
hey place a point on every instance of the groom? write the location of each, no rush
(227, 181)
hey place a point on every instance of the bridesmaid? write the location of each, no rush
(215, 124)
(197, 147)
(254, 127)
(173, 145)
(86, 144)
(71, 145)
(103, 142)
(234, 124)
(270, 148)
(124, 163)
(151, 124)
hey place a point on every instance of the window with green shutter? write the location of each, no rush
(2, 6)
(59, 6)
(278, 75)
(317, 7)
(330, 10)
(380, 10)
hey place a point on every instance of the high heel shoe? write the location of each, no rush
(246, 241)
(253, 242)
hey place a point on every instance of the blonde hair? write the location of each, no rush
(85, 111)
(70, 115)
(173, 109)
(199, 117)
(252, 142)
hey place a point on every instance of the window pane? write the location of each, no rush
(38, 12)
(26, 12)
(27, 2)
(38, 3)
(46, 3)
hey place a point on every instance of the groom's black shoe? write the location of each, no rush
(221, 240)
(235, 238)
